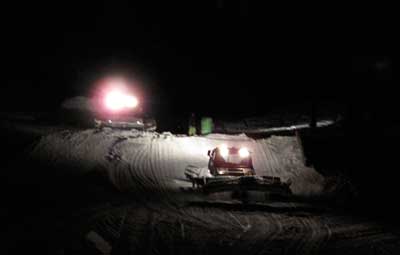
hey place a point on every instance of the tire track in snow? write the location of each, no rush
(157, 159)
(310, 235)
(144, 166)
(297, 237)
(275, 221)
(116, 161)
(167, 156)
(161, 155)
(311, 242)
(136, 169)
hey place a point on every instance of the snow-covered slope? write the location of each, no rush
(156, 162)
(134, 158)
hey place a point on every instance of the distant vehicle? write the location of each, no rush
(231, 169)
(119, 108)
(127, 123)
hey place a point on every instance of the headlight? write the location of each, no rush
(224, 151)
(130, 101)
(243, 152)
(114, 100)
(117, 100)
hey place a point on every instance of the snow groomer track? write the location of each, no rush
(159, 160)
(149, 165)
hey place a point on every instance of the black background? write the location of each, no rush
(211, 57)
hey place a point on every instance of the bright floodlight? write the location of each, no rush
(243, 152)
(116, 100)
(224, 150)
(130, 101)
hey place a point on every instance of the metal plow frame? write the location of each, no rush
(267, 184)
(202, 180)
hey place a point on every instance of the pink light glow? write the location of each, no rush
(116, 100)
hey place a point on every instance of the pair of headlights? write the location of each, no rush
(117, 100)
(224, 151)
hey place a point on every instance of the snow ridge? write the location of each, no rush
(136, 159)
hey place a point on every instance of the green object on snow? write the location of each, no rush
(192, 130)
(207, 125)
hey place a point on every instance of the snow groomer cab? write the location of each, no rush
(230, 161)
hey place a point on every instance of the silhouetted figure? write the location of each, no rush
(192, 125)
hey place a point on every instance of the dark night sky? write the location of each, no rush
(197, 56)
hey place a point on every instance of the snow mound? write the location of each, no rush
(142, 160)
(224, 137)
(78, 103)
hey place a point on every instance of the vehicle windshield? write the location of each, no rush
(232, 160)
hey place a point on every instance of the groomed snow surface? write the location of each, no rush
(159, 160)
(149, 165)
